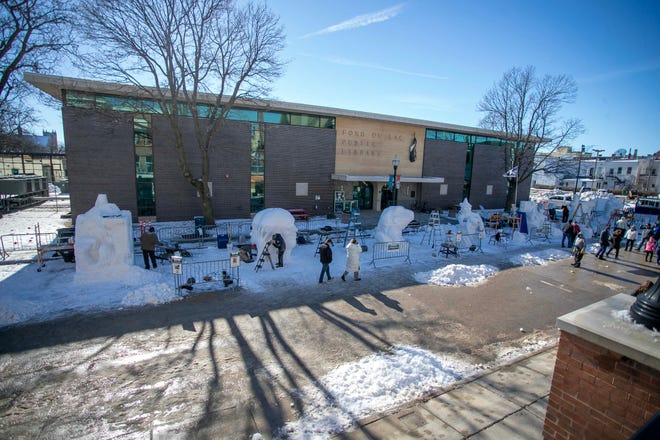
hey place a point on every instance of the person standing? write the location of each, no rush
(325, 252)
(567, 232)
(615, 243)
(148, 243)
(631, 236)
(645, 237)
(575, 231)
(280, 245)
(353, 251)
(604, 242)
(564, 214)
(649, 248)
(578, 250)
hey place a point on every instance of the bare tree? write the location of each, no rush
(195, 58)
(526, 109)
(34, 33)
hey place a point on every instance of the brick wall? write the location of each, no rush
(100, 158)
(444, 159)
(598, 394)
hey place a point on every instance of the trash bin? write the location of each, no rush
(223, 239)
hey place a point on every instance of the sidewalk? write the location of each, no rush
(506, 403)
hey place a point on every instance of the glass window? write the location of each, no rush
(629, 170)
(458, 137)
(618, 170)
(305, 120)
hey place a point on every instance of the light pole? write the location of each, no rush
(395, 165)
(577, 178)
(597, 151)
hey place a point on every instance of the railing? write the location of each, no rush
(223, 273)
(235, 231)
(24, 242)
(453, 245)
(389, 250)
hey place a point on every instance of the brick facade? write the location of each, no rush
(176, 198)
(100, 158)
(445, 159)
(598, 394)
(299, 155)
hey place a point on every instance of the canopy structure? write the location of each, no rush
(368, 178)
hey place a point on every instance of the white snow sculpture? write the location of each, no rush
(274, 221)
(470, 224)
(535, 218)
(391, 223)
(103, 243)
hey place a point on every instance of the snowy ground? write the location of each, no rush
(351, 391)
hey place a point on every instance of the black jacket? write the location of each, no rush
(326, 253)
(279, 242)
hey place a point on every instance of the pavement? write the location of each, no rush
(506, 403)
(228, 365)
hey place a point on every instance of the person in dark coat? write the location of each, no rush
(604, 242)
(645, 237)
(325, 252)
(148, 243)
(279, 244)
(564, 214)
(567, 234)
(615, 243)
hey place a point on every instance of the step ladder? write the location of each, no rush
(431, 228)
(354, 226)
(265, 255)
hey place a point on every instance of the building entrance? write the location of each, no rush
(363, 192)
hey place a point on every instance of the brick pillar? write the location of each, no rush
(597, 393)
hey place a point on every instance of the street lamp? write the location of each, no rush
(597, 151)
(577, 178)
(395, 165)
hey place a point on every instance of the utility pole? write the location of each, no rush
(577, 178)
(597, 151)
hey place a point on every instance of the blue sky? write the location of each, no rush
(435, 59)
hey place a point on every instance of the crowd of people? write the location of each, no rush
(611, 240)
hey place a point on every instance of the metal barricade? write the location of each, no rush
(224, 273)
(389, 250)
(24, 242)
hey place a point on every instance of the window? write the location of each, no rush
(489, 190)
(618, 170)
(443, 189)
(629, 170)
(611, 171)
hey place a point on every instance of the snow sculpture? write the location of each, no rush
(535, 218)
(273, 221)
(103, 242)
(470, 224)
(391, 223)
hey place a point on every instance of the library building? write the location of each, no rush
(269, 154)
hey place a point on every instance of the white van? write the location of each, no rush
(561, 197)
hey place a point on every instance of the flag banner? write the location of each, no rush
(513, 172)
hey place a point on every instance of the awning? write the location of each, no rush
(366, 178)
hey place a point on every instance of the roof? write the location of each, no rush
(54, 85)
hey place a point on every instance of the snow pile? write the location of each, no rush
(391, 223)
(371, 385)
(457, 275)
(103, 243)
(624, 324)
(540, 258)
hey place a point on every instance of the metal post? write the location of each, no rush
(577, 178)
(598, 151)
(395, 165)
